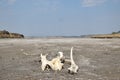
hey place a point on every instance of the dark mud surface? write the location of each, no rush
(98, 59)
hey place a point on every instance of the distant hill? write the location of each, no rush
(112, 35)
(6, 34)
(106, 36)
(116, 32)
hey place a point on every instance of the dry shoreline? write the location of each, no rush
(98, 59)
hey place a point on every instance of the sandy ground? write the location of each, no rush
(98, 59)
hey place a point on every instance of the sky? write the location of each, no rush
(60, 17)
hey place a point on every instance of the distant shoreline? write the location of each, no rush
(82, 36)
(55, 37)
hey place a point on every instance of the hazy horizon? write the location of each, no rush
(60, 17)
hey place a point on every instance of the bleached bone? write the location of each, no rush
(57, 63)
(54, 64)
(45, 63)
(73, 68)
(68, 61)
(60, 54)
(62, 58)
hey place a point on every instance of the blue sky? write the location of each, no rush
(60, 17)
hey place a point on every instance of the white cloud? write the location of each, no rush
(90, 3)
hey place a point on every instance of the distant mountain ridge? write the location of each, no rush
(6, 34)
